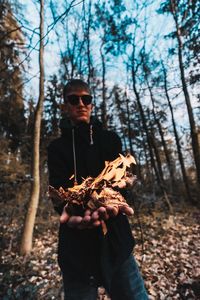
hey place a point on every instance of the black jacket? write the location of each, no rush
(85, 253)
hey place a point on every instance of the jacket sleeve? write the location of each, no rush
(113, 146)
(56, 173)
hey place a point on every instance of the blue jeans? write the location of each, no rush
(126, 284)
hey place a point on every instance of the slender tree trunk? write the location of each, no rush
(168, 159)
(148, 168)
(180, 156)
(27, 237)
(121, 113)
(129, 126)
(88, 43)
(103, 106)
(53, 12)
(157, 154)
(149, 138)
(144, 124)
(139, 169)
(193, 127)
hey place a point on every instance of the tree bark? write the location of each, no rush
(144, 124)
(129, 126)
(88, 43)
(180, 156)
(27, 237)
(156, 152)
(103, 106)
(193, 127)
(168, 159)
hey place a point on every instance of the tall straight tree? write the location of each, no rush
(158, 121)
(112, 22)
(149, 66)
(178, 10)
(27, 237)
(12, 121)
(178, 145)
(87, 28)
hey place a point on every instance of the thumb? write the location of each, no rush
(126, 210)
(64, 217)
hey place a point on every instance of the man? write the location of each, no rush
(88, 258)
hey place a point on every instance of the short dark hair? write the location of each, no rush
(77, 84)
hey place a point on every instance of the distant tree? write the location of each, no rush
(12, 120)
(27, 237)
(87, 27)
(72, 62)
(186, 16)
(176, 135)
(52, 107)
(153, 81)
(120, 106)
(134, 65)
(112, 23)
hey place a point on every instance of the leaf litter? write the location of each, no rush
(169, 258)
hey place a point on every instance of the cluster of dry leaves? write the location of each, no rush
(93, 193)
(169, 262)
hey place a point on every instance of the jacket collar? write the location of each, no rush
(66, 126)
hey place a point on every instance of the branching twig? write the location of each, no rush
(50, 28)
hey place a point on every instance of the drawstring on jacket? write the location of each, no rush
(74, 157)
(91, 135)
(74, 151)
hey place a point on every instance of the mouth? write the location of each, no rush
(81, 111)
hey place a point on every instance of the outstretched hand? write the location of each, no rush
(92, 219)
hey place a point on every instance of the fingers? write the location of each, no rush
(89, 225)
(126, 210)
(93, 219)
(87, 217)
(112, 211)
(103, 215)
(87, 212)
(95, 216)
(96, 223)
(89, 220)
(64, 217)
(74, 221)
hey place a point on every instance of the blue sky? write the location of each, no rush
(156, 25)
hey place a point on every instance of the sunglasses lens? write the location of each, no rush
(87, 99)
(74, 99)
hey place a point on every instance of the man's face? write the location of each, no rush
(80, 112)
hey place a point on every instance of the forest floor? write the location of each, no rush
(169, 257)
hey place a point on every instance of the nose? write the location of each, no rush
(80, 102)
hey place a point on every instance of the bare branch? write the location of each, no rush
(50, 28)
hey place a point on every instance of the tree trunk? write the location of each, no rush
(103, 106)
(193, 127)
(157, 153)
(180, 156)
(129, 126)
(168, 159)
(144, 124)
(148, 167)
(27, 237)
(88, 43)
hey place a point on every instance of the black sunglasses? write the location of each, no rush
(74, 99)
